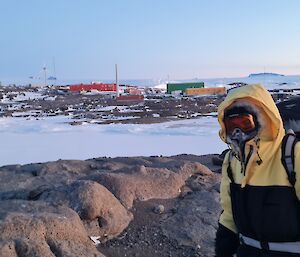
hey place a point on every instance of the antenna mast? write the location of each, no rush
(117, 83)
(45, 74)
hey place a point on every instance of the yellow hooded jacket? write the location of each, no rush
(271, 171)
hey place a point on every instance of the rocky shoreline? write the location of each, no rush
(133, 206)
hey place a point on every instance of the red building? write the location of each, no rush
(94, 86)
(130, 98)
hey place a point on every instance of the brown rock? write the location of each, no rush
(93, 201)
(190, 168)
(101, 211)
(69, 248)
(33, 248)
(7, 249)
(26, 222)
(143, 184)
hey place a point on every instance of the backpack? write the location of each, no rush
(288, 158)
(290, 114)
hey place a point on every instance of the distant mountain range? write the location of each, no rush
(265, 74)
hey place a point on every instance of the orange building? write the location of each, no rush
(206, 91)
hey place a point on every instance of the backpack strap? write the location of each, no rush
(229, 170)
(288, 158)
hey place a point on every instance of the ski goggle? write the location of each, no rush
(245, 122)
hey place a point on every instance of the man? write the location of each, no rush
(261, 209)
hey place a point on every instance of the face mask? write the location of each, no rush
(236, 143)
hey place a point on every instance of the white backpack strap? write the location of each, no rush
(288, 156)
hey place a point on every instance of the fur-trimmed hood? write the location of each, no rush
(262, 104)
(268, 141)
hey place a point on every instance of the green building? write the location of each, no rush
(183, 86)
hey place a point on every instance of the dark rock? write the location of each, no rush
(197, 215)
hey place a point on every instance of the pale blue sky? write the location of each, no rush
(149, 38)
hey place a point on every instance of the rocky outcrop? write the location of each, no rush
(56, 208)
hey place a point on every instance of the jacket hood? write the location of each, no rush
(261, 101)
(264, 151)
